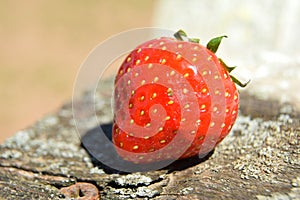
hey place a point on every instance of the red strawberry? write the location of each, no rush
(173, 99)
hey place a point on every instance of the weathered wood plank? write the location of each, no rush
(259, 159)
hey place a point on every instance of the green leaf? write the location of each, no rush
(214, 43)
(229, 69)
(236, 81)
(194, 40)
(178, 35)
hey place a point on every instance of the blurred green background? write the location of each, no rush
(43, 44)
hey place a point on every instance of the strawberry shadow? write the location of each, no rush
(183, 164)
(98, 144)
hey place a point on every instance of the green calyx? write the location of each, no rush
(214, 43)
(213, 46)
(239, 83)
(180, 35)
(229, 69)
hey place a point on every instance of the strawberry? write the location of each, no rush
(173, 99)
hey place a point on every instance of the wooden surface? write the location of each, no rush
(260, 159)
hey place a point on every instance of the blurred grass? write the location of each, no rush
(42, 46)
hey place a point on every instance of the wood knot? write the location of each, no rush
(81, 191)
